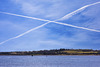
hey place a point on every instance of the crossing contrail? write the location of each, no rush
(46, 24)
(25, 32)
(77, 11)
(34, 18)
(51, 21)
(65, 17)
(77, 26)
(48, 21)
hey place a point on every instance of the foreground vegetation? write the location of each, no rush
(55, 52)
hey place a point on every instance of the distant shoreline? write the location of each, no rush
(49, 55)
(53, 52)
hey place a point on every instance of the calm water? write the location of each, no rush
(49, 61)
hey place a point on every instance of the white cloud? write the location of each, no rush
(93, 14)
(43, 8)
(41, 37)
(32, 9)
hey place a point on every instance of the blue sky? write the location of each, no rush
(51, 36)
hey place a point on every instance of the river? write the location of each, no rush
(50, 61)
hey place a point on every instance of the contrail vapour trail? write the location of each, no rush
(24, 16)
(25, 33)
(77, 26)
(77, 11)
(68, 15)
(65, 17)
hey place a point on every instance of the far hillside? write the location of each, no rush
(55, 52)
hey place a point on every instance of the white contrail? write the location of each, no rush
(77, 26)
(77, 11)
(24, 16)
(46, 24)
(25, 32)
(48, 21)
(65, 17)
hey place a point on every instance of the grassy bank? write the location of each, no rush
(55, 52)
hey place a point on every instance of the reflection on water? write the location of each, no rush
(49, 61)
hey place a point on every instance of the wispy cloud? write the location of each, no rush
(68, 16)
(42, 8)
(51, 21)
(77, 27)
(40, 39)
(78, 10)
